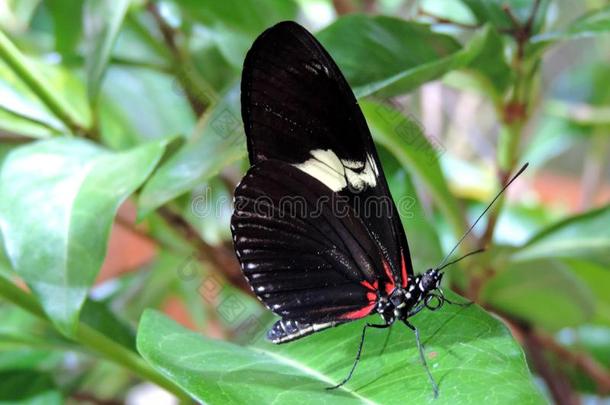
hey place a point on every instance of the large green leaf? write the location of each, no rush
(103, 20)
(400, 55)
(468, 351)
(405, 140)
(57, 202)
(585, 236)
(218, 141)
(527, 290)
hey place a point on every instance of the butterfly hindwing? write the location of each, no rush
(304, 253)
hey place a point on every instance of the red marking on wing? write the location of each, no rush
(359, 313)
(369, 286)
(389, 287)
(403, 271)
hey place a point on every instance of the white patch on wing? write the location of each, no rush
(352, 164)
(364, 177)
(336, 173)
(326, 167)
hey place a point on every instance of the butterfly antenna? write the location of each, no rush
(444, 263)
(474, 252)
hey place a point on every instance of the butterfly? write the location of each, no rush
(316, 232)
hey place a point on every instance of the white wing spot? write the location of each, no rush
(336, 173)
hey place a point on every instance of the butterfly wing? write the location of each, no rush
(305, 254)
(298, 108)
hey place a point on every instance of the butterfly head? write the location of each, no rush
(430, 281)
(429, 284)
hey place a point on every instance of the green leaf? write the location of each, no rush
(489, 63)
(14, 125)
(596, 22)
(37, 81)
(208, 209)
(18, 102)
(218, 140)
(453, 10)
(585, 236)
(67, 23)
(28, 387)
(491, 11)
(527, 290)
(103, 20)
(234, 24)
(132, 93)
(100, 317)
(400, 55)
(58, 198)
(597, 278)
(424, 243)
(468, 351)
(248, 16)
(26, 342)
(415, 152)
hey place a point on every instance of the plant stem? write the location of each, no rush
(98, 342)
(93, 340)
(514, 117)
(18, 63)
(198, 92)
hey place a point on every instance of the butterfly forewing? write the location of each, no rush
(298, 108)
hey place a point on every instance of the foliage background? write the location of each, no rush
(121, 143)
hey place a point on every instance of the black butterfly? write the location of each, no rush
(315, 229)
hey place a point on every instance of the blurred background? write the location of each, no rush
(457, 98)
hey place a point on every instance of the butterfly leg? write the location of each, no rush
(346, 379)
(459, 304)
(385, 342)
(422, 356)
